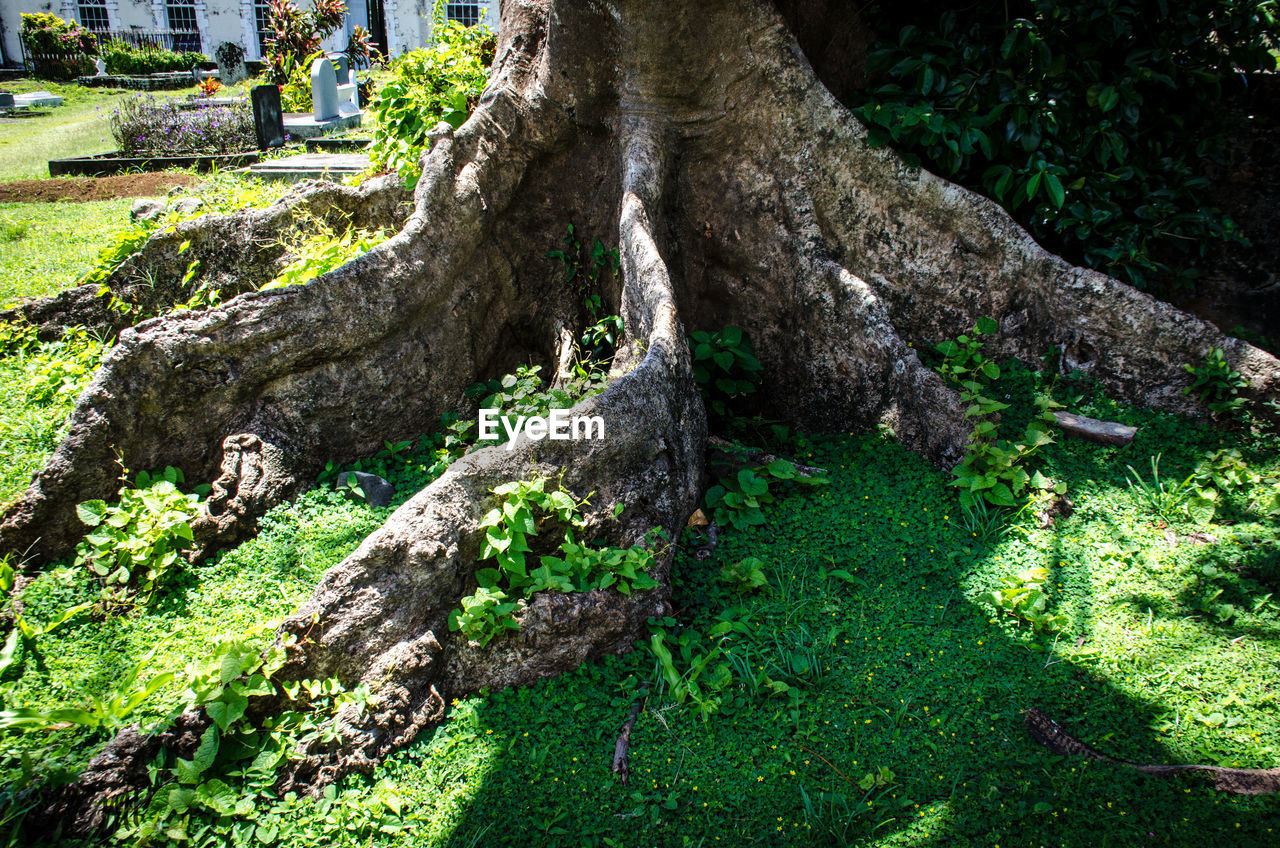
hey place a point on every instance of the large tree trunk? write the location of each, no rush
(740, 192)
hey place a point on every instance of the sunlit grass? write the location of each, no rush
(55, 245)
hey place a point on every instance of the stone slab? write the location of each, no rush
(301, 125)
(1102, 432)
(36, 99)
(306, 166)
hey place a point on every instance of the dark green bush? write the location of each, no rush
(125, 59)
(1089, 120)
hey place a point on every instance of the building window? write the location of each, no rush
(93, 15)
(182, 23)
(467, 14)
(262, 21)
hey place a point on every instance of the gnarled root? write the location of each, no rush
(236, 253)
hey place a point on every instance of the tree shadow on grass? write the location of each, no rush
(923, 680)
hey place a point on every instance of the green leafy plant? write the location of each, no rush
(1088, 125)
(122, 245)
(295, 93)
(745, 575)
(525, 508)
(133, 544)
(600, 339)
(1216, 384)
(737, 501)
(442, 82)
(963, 360)
(322, 252)
(724, 367)
(690, 674)
(520, 395)
(1024, 598)
(587, 268)
(228, 781)
(125, 59)
(293, 34)
(992, 468)
(1225, 473)
(484, 615)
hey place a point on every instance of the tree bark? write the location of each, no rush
(740, 192)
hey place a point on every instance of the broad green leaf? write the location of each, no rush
(91, 512)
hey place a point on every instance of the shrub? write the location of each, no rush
(50, 34)
(1087, 121)
(295, 35)
(124, 58)
(442, 82)
(295, 94)
(59, 49)
(150, 126)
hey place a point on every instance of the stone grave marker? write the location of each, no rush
(348, 92)
(101, 68)
(341, 68)
(324, 91)
(230, 57)
(6, 100)
(268, 118)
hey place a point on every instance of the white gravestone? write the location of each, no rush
(324, 91)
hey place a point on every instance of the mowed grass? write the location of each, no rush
(46, 247)
(79, 127)
(906, 723)
(76, 128)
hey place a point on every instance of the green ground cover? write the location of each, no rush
(39, 384)
(45, 247)
(900, 719)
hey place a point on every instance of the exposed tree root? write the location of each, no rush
(1240, 781)
(236, 253)
(739, 192)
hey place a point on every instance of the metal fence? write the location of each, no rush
(173, 40)
(141, 39)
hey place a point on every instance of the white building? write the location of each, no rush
(396, 25)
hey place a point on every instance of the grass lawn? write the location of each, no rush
(47, 246)
(79, 127)
(900, 721)
(76, 128)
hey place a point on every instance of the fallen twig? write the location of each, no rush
(621, 747)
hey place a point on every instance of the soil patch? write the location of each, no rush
(82, 189)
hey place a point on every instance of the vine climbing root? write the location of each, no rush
(739, 191)
(1050, 734)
